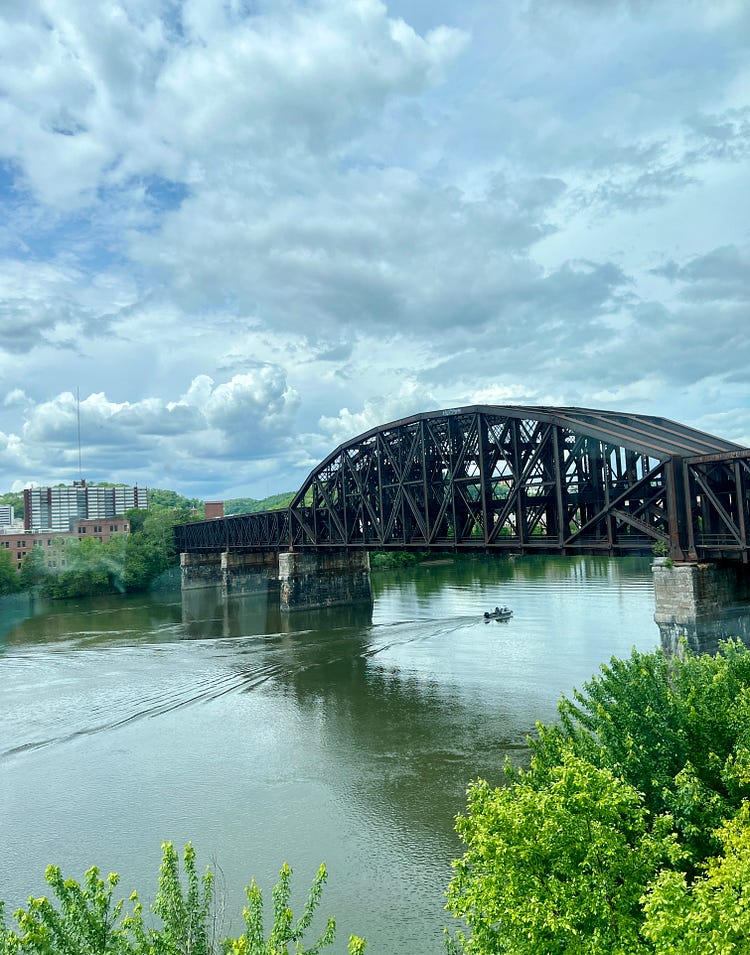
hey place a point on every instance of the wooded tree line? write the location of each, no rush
(123, 563)
(85, 567)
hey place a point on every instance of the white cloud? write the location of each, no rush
(247, 233)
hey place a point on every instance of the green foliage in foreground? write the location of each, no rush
(389, 559)
(87, 921)
(630, 831)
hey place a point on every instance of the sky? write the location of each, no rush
(237, 233)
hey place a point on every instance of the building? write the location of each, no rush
(7, 515)
(52, 542)
(57, 508)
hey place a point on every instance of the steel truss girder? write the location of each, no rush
(479, 481)
(720, 492)
(262, 531)
(524, 480)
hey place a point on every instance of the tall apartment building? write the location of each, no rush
(7, 515)
(56, 508)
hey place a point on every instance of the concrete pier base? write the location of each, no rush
(324, 579)
(698, 605)
(232, 572)
(200, 570)
(252, 573)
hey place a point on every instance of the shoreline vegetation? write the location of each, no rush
(125, 563)
(628, 832)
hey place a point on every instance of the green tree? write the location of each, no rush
(559, 868)
(84, 921)
(710, 915)
(171, 500)
(88, 570)
(284, 931)
(674, 729)
(8, 573)
(251, 505)
(33, 569)
(643, 781)
(150, 550)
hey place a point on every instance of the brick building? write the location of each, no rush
(52, 542)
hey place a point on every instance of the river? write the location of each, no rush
(346, 736)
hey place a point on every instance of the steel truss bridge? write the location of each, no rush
(514, 479)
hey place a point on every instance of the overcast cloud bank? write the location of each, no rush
(245, 232)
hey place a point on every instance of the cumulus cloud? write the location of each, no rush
(249, 232)
(250, 414)
(125, 89)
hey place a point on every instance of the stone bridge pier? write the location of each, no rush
(305, 580)
(697, 605)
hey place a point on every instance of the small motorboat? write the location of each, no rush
(499, 613)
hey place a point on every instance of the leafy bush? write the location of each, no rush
(86, 920)
(633, 816)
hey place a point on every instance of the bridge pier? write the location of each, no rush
(697, 605)
(305, 580)
(200, 570)
(328, 578)
(231, 571)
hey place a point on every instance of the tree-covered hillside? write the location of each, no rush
(249, 505)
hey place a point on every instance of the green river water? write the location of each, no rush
(346, 736)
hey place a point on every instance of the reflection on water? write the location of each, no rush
(346, 735)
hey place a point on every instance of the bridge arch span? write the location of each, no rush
(513, 478)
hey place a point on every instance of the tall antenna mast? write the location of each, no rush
(78, 420)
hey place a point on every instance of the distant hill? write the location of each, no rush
(249, 505)
(15, 499)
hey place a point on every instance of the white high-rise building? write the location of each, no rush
(55, 508)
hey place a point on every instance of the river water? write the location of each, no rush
(345, 736)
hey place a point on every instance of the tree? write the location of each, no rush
(8, 574)
(151, 550)
(84, 921)
(627, 812)
(674, 729)
(33, 569)
(711, 915)
(556, 869)
(88, 570)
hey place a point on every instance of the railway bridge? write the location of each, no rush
(501, 479)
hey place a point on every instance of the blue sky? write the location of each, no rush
(246, 232)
